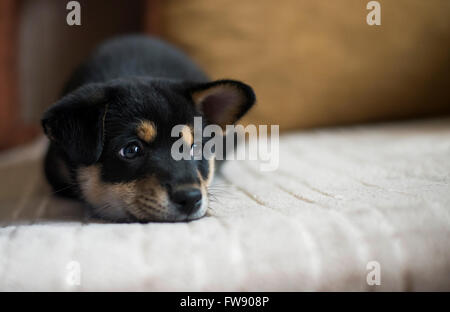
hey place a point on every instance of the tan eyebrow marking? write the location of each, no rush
(146, 131)
(186, 132)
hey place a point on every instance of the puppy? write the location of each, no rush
(110, 133)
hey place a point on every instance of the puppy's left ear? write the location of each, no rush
(75, 123)
(223, 102)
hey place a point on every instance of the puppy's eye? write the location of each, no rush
(131, 150)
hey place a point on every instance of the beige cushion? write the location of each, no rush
(318, 62)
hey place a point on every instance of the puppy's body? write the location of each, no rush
(135, 56)
(111, 131)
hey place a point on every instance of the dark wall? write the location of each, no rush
(49, 49)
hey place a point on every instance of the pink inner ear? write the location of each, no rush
(220, 106)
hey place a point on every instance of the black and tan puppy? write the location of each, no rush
(111, 137)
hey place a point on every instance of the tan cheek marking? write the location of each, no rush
(90, 184)
(99, 193)
(186, 132)
(126, 191)
(152, 200)
(143, 199)
(151, 188)
(146, 131)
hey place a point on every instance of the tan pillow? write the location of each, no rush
(316, 63)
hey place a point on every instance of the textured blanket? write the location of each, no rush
(361, 208)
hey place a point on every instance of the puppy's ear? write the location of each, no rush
(76, 122)
(223, 102)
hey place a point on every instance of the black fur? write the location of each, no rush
(127, 80)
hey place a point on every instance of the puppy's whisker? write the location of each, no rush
(64, 188)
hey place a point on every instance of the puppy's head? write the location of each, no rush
(117, 140)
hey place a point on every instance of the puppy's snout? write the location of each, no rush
(188, 199)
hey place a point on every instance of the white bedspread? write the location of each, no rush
(342, 197)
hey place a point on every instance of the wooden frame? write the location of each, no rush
(13, 130)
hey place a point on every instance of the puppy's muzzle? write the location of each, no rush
(187, 199)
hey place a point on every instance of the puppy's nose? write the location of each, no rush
(189, 199)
